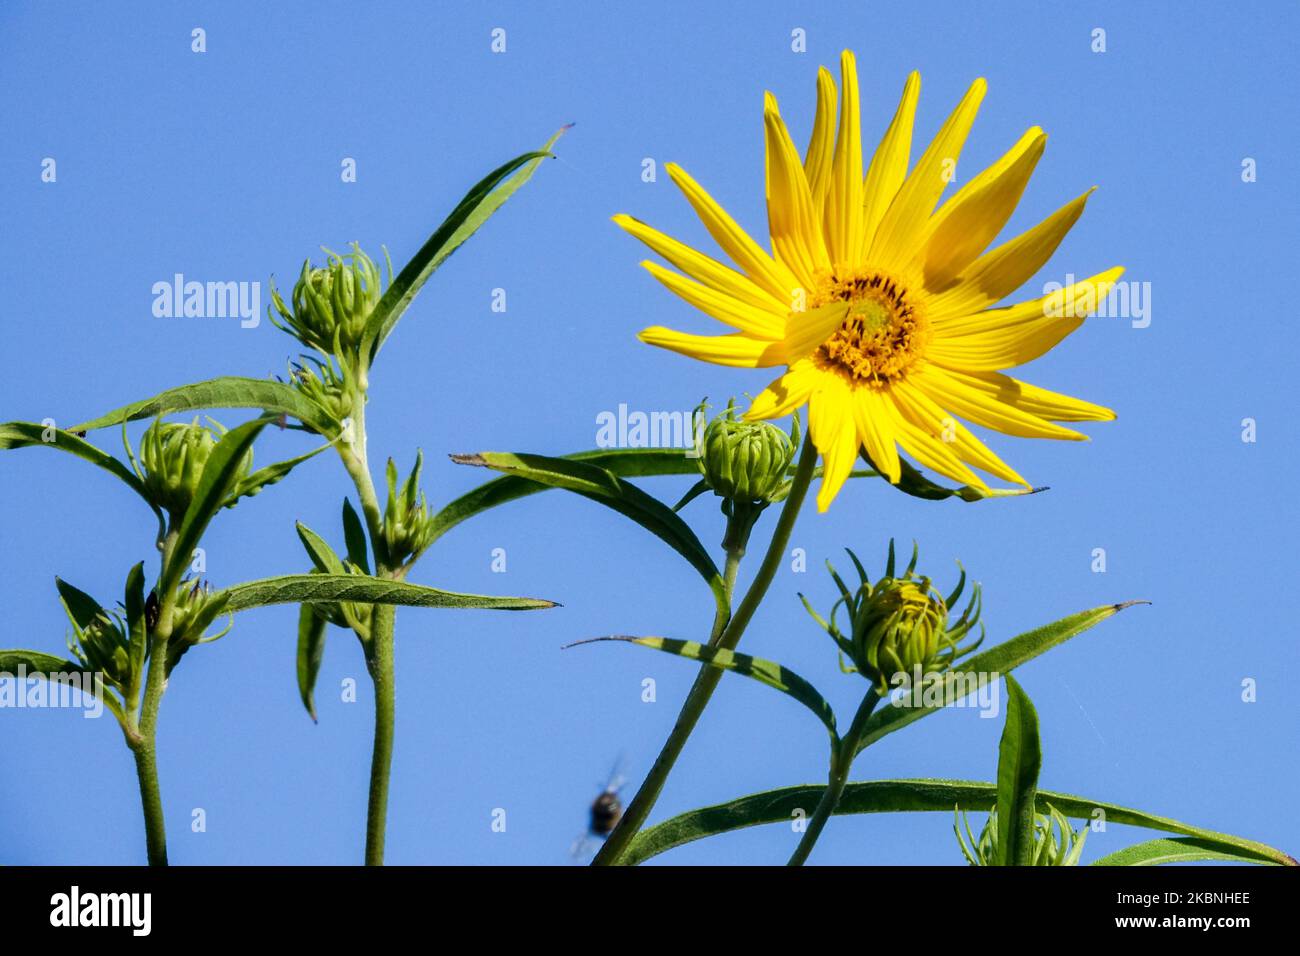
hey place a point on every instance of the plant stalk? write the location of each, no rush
(842, 755)
(726, 636)
(380, 661)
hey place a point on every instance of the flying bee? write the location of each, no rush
(603, 815)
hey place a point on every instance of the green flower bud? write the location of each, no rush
(746, 461)
(899, 625)
(172, 458)
(408, 526)
(189, 620)
(1056, 843)
(331, 304)
(104, 645)
(325, 386)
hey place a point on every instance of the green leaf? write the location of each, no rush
(1001, 659)
(215, 484)
(764, 671)
(1020, 758)
(354, 535)
(30, 434)
(485, 198)
(81, 607)
(624, 462)
(311, 648)
(890, 796)
(914, 483)
(133, 601)
(37, 664)
(255, 482)
(330, 588)
(321, 554)
(56, 670)
(227, 392)
(603, 486)
(1175, 850)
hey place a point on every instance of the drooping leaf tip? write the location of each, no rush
(469, 458)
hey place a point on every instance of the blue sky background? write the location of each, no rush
(225, 166)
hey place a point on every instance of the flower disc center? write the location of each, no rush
(882, 336)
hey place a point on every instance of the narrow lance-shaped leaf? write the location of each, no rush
(31, 434)
(892, 796)
(604, 487)
(483, 199)
(255, 482)
(624, 462)
(311, 649)
(1019, 760)
(138, 632)
(354, 536)
(911, 481)
(766, 672)
(1001, 659)
(330, 588)
(1174, 850)
(59, 671)
(321, 554)
(227, 392)
(81, 607)
(218, 478)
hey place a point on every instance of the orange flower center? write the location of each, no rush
(883, 335)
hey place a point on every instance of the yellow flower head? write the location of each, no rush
(878, 304)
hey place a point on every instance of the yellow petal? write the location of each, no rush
(998, 273)
(793, 223)
(935, 419)
(919, 440)
(702, 268)
(966, 224)
(888, 167)
(1003, 338)
(873, 422)
(903, 228)
(744, 251)
(830, 422)
(1030, 398)
(737, 350)
(804, 331)
(977, 406)
(821, 146)
(843, 215)
(787, 393)
(757, 322)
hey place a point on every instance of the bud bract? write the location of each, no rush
(332, 303)
(1056, 843)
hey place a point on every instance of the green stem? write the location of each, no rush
(144, 746)
(706, 681)
(842, 754)
(380, 661)
(379, 649)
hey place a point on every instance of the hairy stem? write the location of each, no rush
(706, 681)
(381, 760)
(842, 755)
(379, 649)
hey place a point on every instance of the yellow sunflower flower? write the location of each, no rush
(879, 305)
